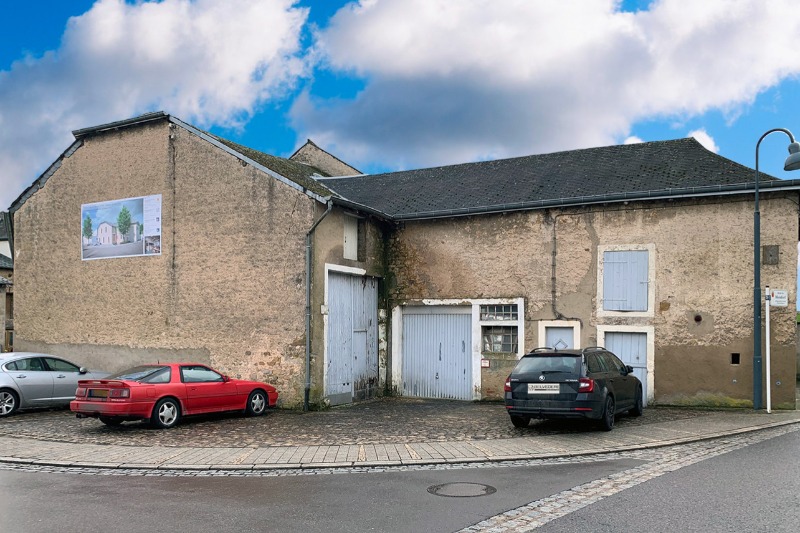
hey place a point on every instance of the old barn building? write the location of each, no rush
(337, 286)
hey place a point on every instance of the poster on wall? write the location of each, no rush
(121, 228)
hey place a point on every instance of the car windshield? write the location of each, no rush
(138, 373)
(549, 364)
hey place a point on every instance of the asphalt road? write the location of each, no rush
(397, 501)
(752, 489)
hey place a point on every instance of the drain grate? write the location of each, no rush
(461, 490)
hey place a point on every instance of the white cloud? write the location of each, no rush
(633, 139)
(705, 139)
(451, 81)
(207, 61)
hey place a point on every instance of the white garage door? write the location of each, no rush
(437, 358)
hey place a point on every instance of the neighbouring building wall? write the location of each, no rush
(313, 155)
(699, 309)
(6, 314)
(228, 288)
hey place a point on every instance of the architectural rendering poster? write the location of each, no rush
(121, 228)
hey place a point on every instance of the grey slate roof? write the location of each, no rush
(6, 262)
(5, 281)
(564, 178)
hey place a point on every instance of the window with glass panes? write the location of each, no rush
(499, 338)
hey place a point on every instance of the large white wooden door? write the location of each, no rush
(351, 357)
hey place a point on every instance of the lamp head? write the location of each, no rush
(793, 161)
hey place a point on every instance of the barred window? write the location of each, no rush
(499, 339)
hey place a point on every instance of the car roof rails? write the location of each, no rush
(594, 349)
(543, 349)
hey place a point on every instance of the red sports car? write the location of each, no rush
(163, 393)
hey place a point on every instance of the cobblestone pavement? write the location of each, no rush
(384, 421)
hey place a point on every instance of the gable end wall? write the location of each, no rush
(227, 289)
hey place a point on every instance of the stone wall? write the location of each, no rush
(702, 259)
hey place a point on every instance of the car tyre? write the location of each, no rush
(607, 420)
(638, 406)
(166, 413)
(110, 421)
(520, 421)
(256, 403)
(9, 402)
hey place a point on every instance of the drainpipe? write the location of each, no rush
(308, 304)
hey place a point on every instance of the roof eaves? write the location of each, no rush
(5, 281)
(578, 201)
(344, 202)
(222, 146)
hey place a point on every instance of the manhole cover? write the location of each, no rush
(462, 490)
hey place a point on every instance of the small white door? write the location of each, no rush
(632, 349)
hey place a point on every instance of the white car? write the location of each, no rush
(37, 379)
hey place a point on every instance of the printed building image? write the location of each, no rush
(337, 286)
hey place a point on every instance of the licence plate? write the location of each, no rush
(544, 388)
(98, 393)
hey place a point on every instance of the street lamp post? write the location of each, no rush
(792, 163)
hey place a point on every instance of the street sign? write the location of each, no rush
(779, 298)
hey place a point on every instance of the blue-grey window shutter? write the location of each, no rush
(625, 280)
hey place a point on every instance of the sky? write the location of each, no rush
(399, 84)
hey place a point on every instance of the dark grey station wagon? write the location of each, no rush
(592, 383)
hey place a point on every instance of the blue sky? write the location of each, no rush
(396, 84)
(109, 212)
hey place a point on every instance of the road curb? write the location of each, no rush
(346, 465)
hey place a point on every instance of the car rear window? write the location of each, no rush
(569, 364)
(147, 374)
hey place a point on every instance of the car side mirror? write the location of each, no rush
(629, 369)
(226, 379)
(82, 370)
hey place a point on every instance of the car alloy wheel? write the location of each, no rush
(166, 413)
(638, 408)
(256, 403)
(520, 421)
(607, 422)
(8, 402)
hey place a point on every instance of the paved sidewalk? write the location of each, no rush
(86, 443)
